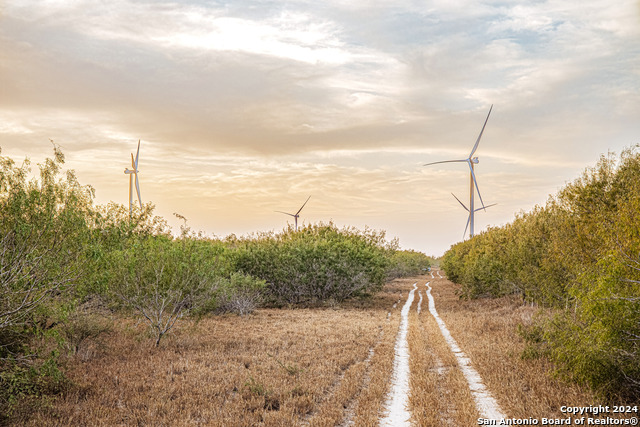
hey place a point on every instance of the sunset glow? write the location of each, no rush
(245, 108)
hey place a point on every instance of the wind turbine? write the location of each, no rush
(131, 172)
(469, 217)
(297, 214)
(472, 176)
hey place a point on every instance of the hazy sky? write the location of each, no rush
(248, 107)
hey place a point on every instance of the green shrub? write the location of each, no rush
(164, 279)
(317, 263)
(240, 294)
(85, 323)
(580, 253)
(407, 263)
(44, 230)
(24, 385)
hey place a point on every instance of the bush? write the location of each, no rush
(162, 279)
(407, 263)
(240, 294)
(22, 386)
(316, 263)
(44, 229)
(84, 323)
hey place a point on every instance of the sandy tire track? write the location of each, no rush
(438, 389)
(398, 414)
(433, 381)
(486, 404)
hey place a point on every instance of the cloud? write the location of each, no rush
(248, 107)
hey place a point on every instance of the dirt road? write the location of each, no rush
(444, 388)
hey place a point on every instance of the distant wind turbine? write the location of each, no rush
(131, 173)
(297, 214)
(469, 217)
(472, 176)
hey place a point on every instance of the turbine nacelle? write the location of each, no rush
(297, 214)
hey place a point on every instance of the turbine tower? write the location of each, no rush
(469, 217)
(471, 161)
(131, 172)
(297, 214)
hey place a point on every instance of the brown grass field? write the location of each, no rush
(316, 367)
(310, 367)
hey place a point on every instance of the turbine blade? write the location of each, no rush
(137, 153)
(476, 183)
(465, 208)
(303, 205)
(488, 206)
(133, 164)
(475, 147)
(467, 226)
(138, 190)
(130, 194)
(445, 161)
(286, 213)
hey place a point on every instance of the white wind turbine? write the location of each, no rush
(472, 176)
(469, 217)
(131, 173)
(297, 214)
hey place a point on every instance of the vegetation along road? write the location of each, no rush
(108, 318)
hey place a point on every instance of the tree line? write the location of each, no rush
(67, 265)
(578, 256)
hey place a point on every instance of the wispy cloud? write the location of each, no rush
(248, 107)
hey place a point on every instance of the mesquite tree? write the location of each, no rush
(164, 279)
(43, 230)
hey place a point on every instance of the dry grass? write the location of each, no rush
(439, 394)
(486, 331)
(314, 367)
(372, 398)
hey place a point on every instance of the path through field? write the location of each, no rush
(398, 413)
(433, 382)
(486, 404)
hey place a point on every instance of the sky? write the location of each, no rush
(245, 108)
